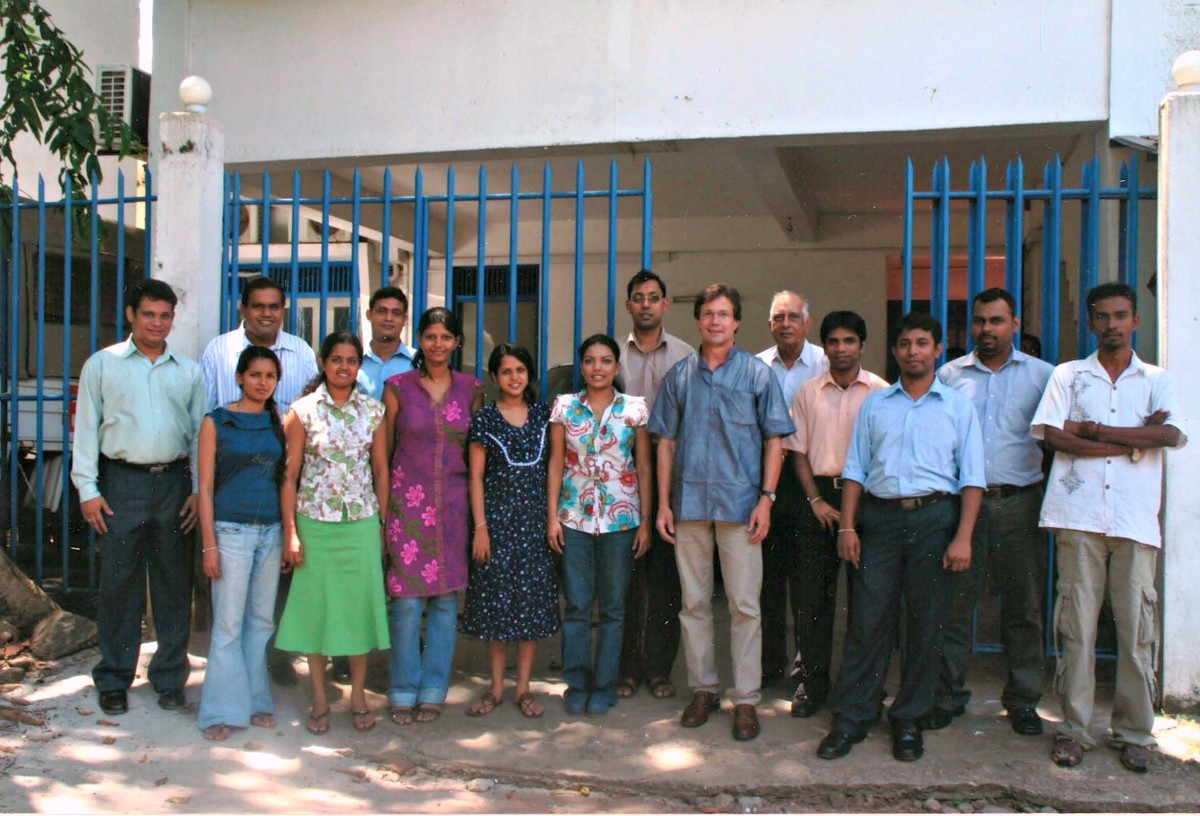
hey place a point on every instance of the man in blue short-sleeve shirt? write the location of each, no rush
(721, 420)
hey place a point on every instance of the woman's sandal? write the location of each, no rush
(263, 720)
(317, 723)
(401, 715)
(626, 687)
(529, 706)
(428, 712)
(1067, 753)
(484, 705)
(661, 687)
(363, 720)
(217, 733)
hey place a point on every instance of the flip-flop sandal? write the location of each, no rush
(484, 705)
(626, 687)
(263, 720)
(317, 723)
(363, 720)
(529, 706)
(217, 733)
(401, 715)
(1067, 753)
(661, 687)
(428, 712)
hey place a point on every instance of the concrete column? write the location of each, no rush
(187, 216)
(1179, 337)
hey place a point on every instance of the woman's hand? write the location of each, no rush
(641, 539)
(293, 553)
(481, 547)
(212, 562)
(554, 534)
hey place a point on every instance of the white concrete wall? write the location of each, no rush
(313, 79)
(1147, 36)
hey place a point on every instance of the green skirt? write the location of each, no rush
(336, 605)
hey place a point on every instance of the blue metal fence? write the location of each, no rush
(65, 271)
(1128, 197)
(425, 207)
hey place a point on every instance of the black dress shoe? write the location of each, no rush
(806, 703)
(1025, 721)
(907, 744)
(114, 702)
(937, 718)
(838, 743)
(172, 699)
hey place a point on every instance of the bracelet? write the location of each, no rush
(481, 524)
(816, 499)
(208, 549)
(847, 530)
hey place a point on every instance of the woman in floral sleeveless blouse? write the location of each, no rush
(428, 415)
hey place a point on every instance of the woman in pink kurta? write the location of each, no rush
(429, 412)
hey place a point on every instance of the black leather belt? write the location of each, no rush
(836, 482)
(914, 503)
(154, 468)
(1006, 490)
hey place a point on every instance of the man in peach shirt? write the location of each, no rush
(823, 410)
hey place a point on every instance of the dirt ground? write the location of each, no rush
(69, 758)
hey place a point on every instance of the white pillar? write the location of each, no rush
(1179, 337)
(187, 216)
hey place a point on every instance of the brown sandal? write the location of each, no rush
(263, 720)
(363, 720)
(484, 705)
(661, 687)
(317, 723)
(427, 712)
(529, 706)
(401, 715)
(1067, 753)
(626, 687)
(217, 733)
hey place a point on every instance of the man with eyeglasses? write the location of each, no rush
(720, 418)
(794, 361)
(652, 605)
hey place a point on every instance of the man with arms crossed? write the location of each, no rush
(794, 361)
(719, 416)
(1107, 418)
(1005, 386)
(137, 421)
(824, 410)
(386, 355)
(913, 484)
(652, 605)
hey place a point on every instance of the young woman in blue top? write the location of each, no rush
(241, 457)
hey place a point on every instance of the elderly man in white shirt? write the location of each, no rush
(1107, 417)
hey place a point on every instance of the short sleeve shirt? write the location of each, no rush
(824, 414)
(336, 481)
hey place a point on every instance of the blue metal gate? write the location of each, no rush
(1053, 196)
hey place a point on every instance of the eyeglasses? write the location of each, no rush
(639, 299)
(787, 317)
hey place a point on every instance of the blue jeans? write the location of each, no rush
(418, 677)
(236, 684)
(596, 569)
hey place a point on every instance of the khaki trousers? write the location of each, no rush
(741, 571)
(1085, 562)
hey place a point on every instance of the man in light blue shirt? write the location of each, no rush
(136, 428)
(386, 355)
(912, 487)
(1005, 387)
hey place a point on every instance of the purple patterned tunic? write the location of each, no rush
(427, 514)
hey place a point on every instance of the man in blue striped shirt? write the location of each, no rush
(913, 482)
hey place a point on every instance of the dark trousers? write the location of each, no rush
(814, 594)
(651, 640)
(782, 574)
(901, 559)
(143, 533)
(1008, 547)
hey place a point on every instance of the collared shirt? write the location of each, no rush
(375, 371)
(719, 420)
(1005, 400)
(135, 410)
(219, 363)
(1111, 495)
(824, 414)
(810, 362)
(336, 480)
(642, 371)
(903, 447)
(600, 485)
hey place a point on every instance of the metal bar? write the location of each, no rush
(120, 254)
(355, 220)
(420, 251)
(147, 224)
(227, 239)
(939, 267)
(514, 212)
(1051, 258)
(1014, 234)
(976, 237)
(14, 384)
(1089, 250)
(450, 183)
(326, 185)
(647, 213)
(480, 277)
(385, 243)
(544, 286)
(610, 310)
(1129, 230)
(94, 323)
(577, 336)
(264, 215)
(65, 417)
(907, 256)
(294, 278)
(235, 278)
(39, 477)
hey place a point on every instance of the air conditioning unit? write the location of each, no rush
(125, 93)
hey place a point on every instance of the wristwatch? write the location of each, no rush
(770, 494)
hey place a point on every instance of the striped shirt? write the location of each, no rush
(219, 362)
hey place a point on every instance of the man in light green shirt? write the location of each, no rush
(136, 426)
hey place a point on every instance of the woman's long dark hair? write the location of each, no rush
(521, 353)
(331, 342)
(438, 315)
(249, 355)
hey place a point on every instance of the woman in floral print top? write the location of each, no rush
(428, 414)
